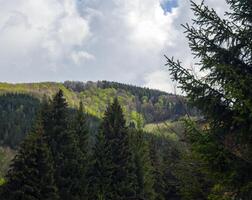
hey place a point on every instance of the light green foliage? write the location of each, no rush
(168, 128)
(95, 100)
(154, 105)
(39, 90)
(2, 181)
(6, 155)
(137, 119)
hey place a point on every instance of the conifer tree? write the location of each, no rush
(144, 169)
(65, 150)
(31, 175)
(156, 164)
(123, 178)
(223, 47)
(80, 128)
(100, 180)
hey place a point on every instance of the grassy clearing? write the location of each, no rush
(169, 129)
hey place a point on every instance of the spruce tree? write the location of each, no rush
(80, 127)
(223, 48)
(123, 178)
(156, 163)
(65, 150)
(143, 165)
(31, 174)
(100, 180)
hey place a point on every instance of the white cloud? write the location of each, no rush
(160, 80)
(81, 56)
(148, 26)
(38, 34)
(120, 40)
(178, 45)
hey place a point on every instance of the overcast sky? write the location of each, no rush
(119, 40)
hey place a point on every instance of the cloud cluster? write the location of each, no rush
(120, 40)
(37, 37)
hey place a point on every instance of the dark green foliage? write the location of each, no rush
(65, 149)
(165, 182)
(136, 91)
(144, 169)
(123, 178)
(155, 105)
(31, 175)
(224, 96)
(81, 130)
(126, 163)
(100, 175)
(17, 112)
(159, 183)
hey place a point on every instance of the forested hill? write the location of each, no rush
(153, 105)
(19, 103)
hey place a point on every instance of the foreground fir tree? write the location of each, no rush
(224, 50)
(31, 175)
(123, 178)
(65, 149)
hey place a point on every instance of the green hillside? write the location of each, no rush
(39, 90)
(20, 102)
(153, 104)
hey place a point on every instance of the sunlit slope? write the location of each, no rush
(39, 90)
(153, 105)
(95, 100)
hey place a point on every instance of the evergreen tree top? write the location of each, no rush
(224, 50)
(59, 99)
(113, 121)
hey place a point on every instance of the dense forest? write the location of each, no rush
(154, 105)
(110, 141)
(123, 162)
(19, 104)
(17, 113)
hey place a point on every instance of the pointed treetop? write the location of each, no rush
(59, 98)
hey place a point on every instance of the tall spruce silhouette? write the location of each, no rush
(100, 176)
(31, 174)
(223, 48)
(80, 128)
(143, 165)
(65, 149)
(123, 177)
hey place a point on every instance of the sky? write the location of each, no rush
(115, 40)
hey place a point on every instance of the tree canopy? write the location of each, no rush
(223, 48)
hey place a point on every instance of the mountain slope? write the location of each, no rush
(19, 103)
(153, 104)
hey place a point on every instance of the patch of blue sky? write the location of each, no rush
(168, 5)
